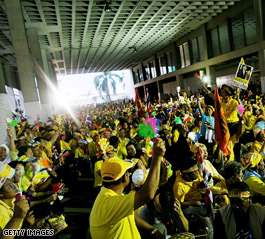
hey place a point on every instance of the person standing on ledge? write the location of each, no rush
(112, 215)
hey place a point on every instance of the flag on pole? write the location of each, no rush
(221, 128)
(206, 179)
(138, 103)
(148, 103)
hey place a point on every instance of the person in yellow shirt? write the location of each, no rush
(229, 106)
(253, 163)
(97, 169)
(123, 141)
(10, 218)
(112, 215)
(12, 215)
(118, 151)
(93, 146)
(186, 187)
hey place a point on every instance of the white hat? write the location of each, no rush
(139, 177)
(6, 172)
(5, 147)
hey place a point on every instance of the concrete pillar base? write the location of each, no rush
(5, 112)
(32, 110)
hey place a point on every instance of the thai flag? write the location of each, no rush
(88, 122)
(148, 103)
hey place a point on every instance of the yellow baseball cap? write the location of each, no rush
(6, 171)
(114, 168)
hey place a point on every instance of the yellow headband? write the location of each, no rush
(238, 194)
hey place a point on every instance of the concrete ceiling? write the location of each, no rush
(80, 36)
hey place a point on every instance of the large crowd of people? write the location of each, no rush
(191, 165)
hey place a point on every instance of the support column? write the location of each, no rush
(210, 73)
(180, 81)
(41, 73)
(23, 58)
(262, 69)
(5, 110)
(259, 10)
(160, 92)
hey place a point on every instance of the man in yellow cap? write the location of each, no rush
(241, 218)
(112, 215)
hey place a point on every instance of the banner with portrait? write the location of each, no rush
(243, 75)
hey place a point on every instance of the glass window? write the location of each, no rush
(162, 64)
(140, 74)
(195, 51)
(170, 62)
(237, 31)
(224, 38)
(183, 64)
(186, 53)
(215, 42)
(250, 26)
(201, 48)
(135, 77)
(147, 72)
(153, 69)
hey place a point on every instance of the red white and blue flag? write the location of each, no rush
(148, 103)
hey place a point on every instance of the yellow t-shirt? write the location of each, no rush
(92, 148)
(79, 153)
(112, 216)
(6, 213)
(230, 112)
(256, 186)
(187, 191)
(98, 179)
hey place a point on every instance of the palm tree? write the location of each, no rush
(106, 80)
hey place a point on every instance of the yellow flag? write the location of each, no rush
(242, 61)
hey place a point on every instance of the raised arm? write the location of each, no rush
(209, 93)
(199, 105)
(12, 145)
(147, 192)
(54, 137)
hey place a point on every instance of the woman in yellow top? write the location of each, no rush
(229, 106)
(133, 130)
(123, 141)
(81, 156)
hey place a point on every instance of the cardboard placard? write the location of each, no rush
(243, 75)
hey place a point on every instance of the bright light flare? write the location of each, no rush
(60, 98)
